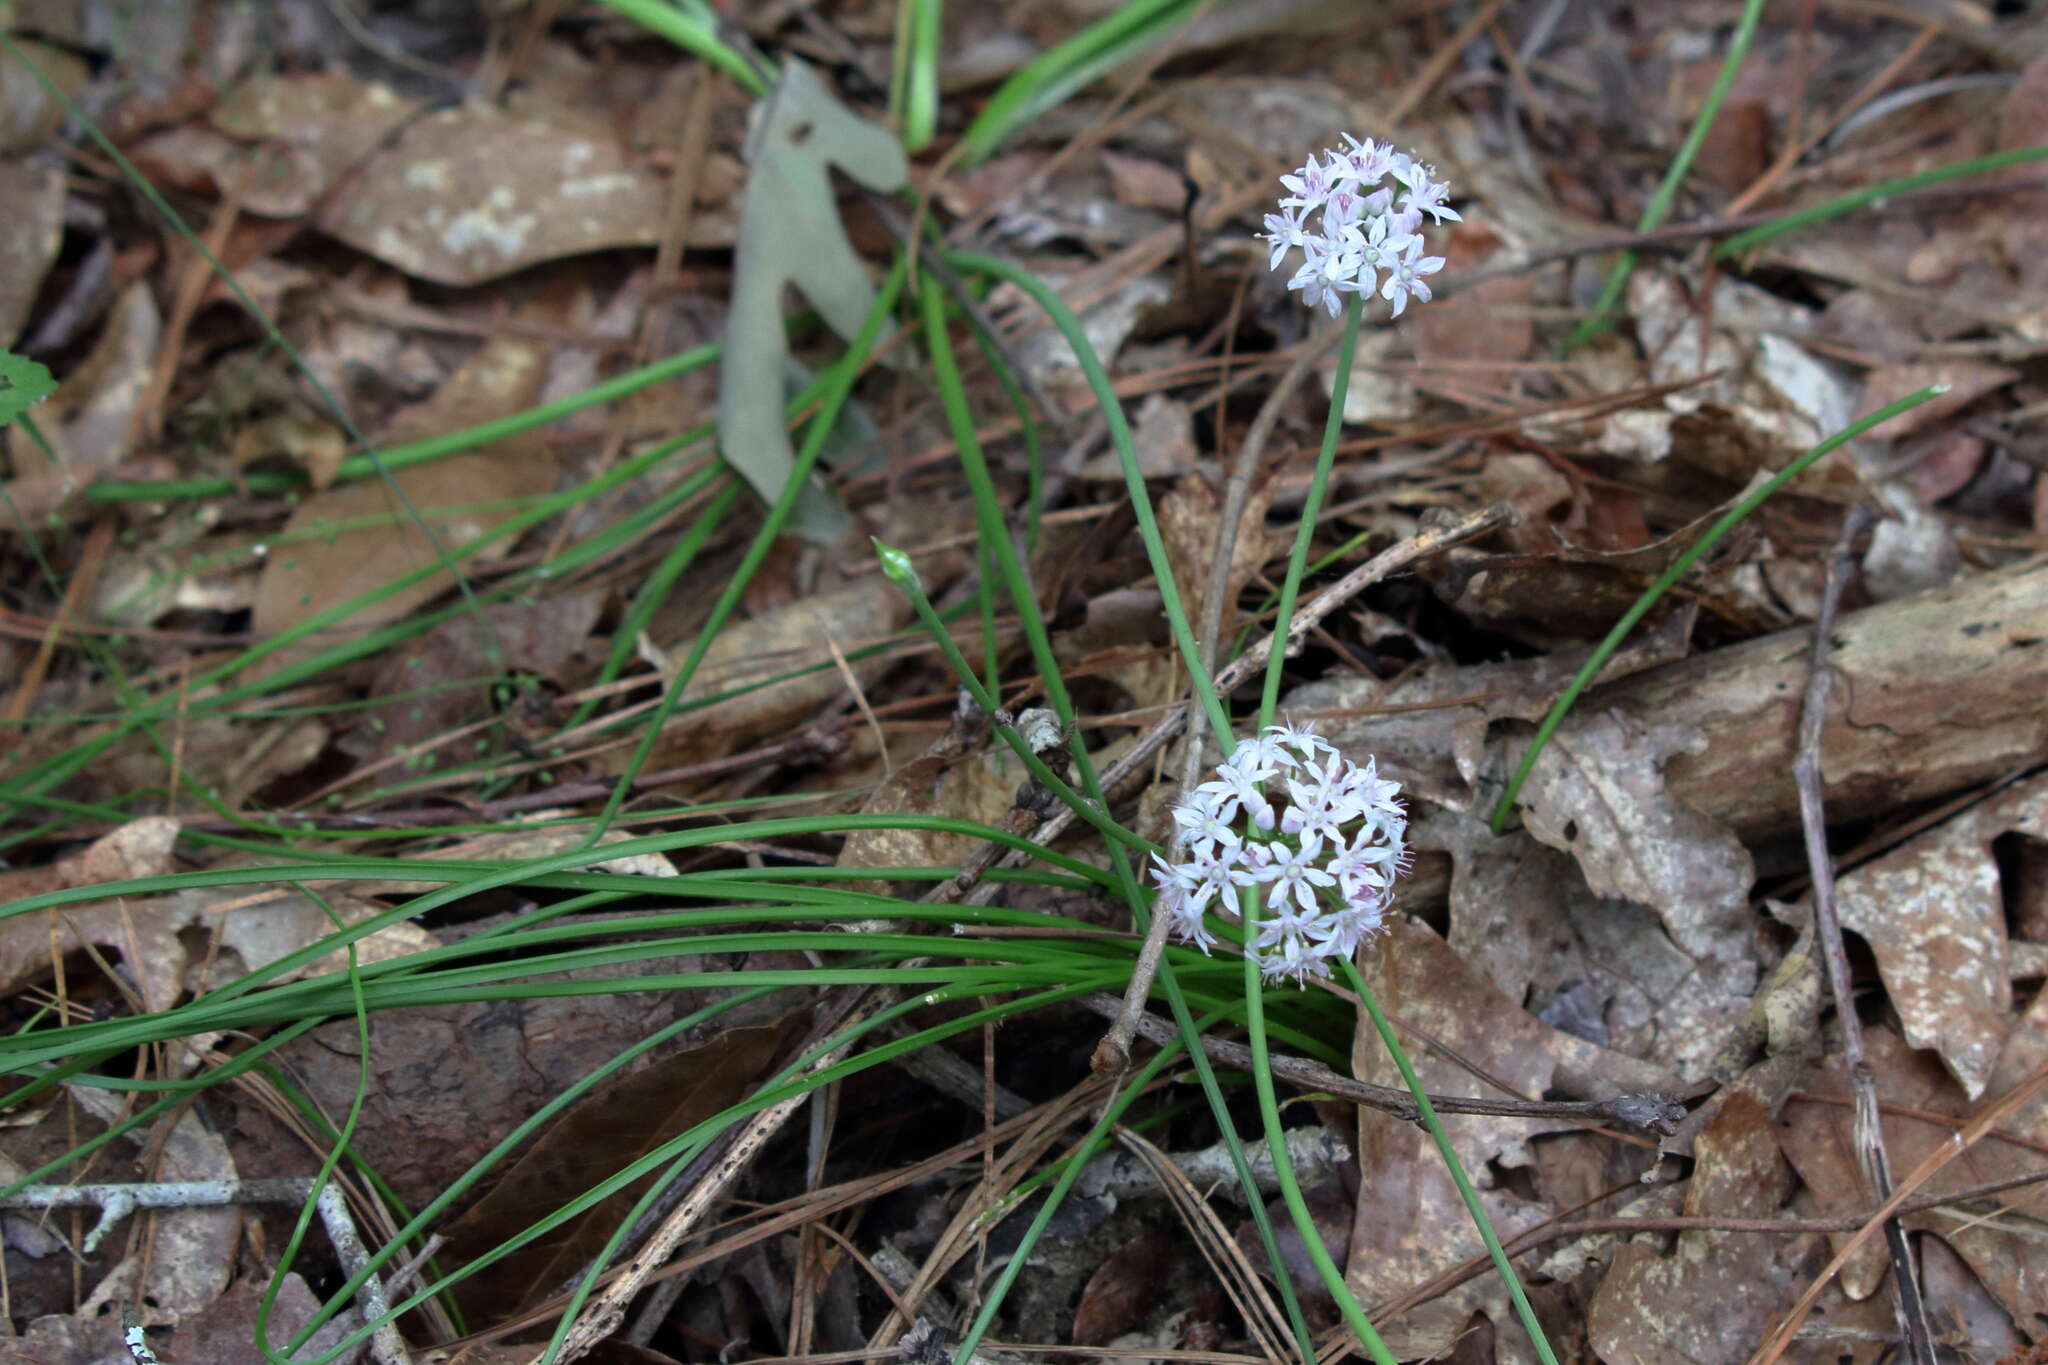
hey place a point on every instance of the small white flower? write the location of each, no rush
(1364, 865)
(1329, 268)
(1308, 187)
(1201, 826)
(1379, 245)
(1262, 756)
(1172, 878)
(1367, 162)
(1404, 276)
(1295, 872)
(1284, 230)
(1233, 788)
(1303, 739)
(1188, 925)
(1220, 875)
(1429, 198)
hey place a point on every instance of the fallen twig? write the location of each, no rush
(1869, 1130)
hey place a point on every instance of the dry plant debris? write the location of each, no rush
(462, 220)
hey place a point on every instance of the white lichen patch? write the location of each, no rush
(591, 186)
(494, 225)
(427, 175)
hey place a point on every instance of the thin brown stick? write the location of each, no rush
(1652, 1112)
(1806, 776)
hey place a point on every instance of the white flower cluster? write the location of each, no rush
(1363, 233)
(1330, 851)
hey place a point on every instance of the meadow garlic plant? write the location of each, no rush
(1367, 236)
(1290, 813)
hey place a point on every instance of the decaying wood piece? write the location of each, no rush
(1932, 693)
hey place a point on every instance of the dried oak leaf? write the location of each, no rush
(317, 127)
(747, 654)
(1925, 1107)
(224, 1333)
(1187, 523)
(1598, 792)
(468, 195)
(626, 1118)
(35, 196)
(1711, 1300)
(1122, 1292)
(1933, 914)
(1596, 966)
(1428, 730)
(145, 939)
(1410, 1222)
(974, 786)
(347, 540)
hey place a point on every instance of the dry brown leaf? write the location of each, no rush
(310, 443)
(145, 940)
(1382, 389)
(746, 652)
(1122, 1292)
(1953, 1293)
(145, 932)
(623, 1120)
(275, 925)
(442, 680)
(67, 1339)
(1428, 729)
(191, 1252)
(224, 1333)
(525, 845)
(35, 198)
(1598, 792)
(470, 194)
(28, 113)
(979, 786)
(1600, 968)
(319, 567)
(1187, 523)
(316, 127)
(1967, 381)
(2002, 1252)
(1711, 1300)
(435, 1069)
(1476, 339)
(1769, 403)
(1571, 577)
(1933, 914)
(90, 420)
(1410, 1222)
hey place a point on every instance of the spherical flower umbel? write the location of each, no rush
(1363, 231)
(1325, 857)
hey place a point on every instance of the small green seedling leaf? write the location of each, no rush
(23, 384)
